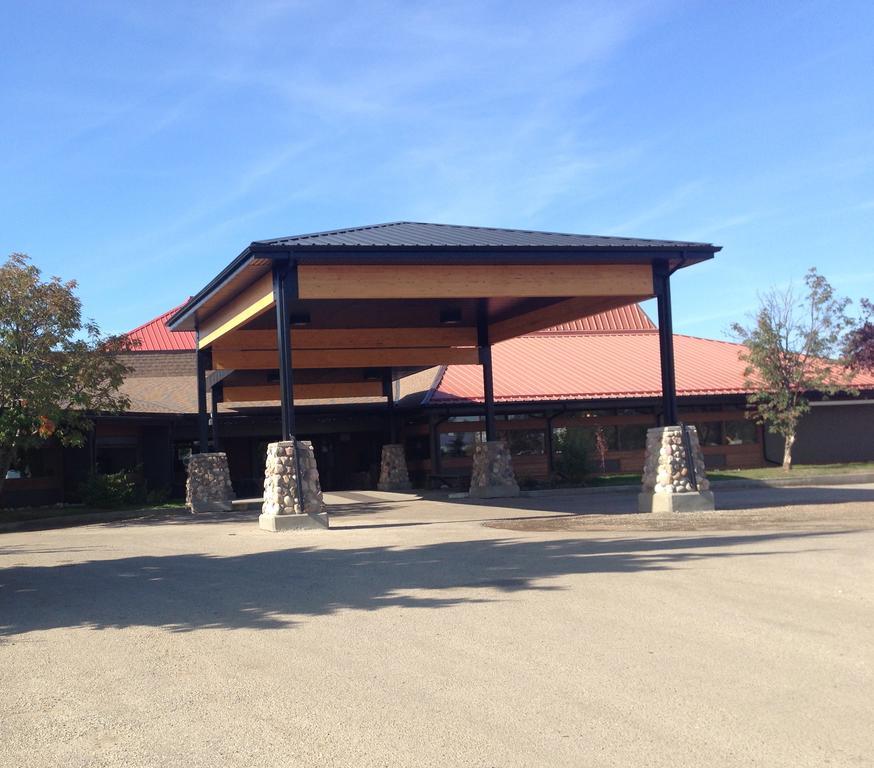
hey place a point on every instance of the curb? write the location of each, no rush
(842, 479)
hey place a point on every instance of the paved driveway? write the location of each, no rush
(415, 634)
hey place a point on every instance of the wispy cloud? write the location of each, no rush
(484, 127)
(716, 226)
(660, 209)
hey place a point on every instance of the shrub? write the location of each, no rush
(108, 491)
(157, 496)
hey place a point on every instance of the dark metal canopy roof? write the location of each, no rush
(407, 242)
(416, 234)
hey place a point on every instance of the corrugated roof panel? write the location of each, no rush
(630, 318)
(600, 366)
(155, 336)
(418, 234)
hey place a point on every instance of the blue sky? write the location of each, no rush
(145, 144)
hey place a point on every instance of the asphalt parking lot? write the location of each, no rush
(427, 632)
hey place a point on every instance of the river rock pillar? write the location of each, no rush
(208, 485)
(492, 475)
(292, 492)
(674, 478)
(393, 475)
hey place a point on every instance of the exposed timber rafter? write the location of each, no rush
(352, 338)
(325, 390)
(409, 357)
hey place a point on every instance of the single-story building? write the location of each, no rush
(437, 338)
(598, 375)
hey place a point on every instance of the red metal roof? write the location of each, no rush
(155, 336)
(611, 355)
(581, 366)
(630, 318)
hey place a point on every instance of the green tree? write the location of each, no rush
(55, 367)
(859, 347)
(794, 347)
(573, 447)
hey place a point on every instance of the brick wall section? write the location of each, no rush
(161, 364)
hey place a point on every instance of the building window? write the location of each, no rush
(525, 442)
(458, 444)
(709, 432)
(740, 432)
(114, 454)
(632, 437)
(33, 463)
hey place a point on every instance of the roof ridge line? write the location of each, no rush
(156, 318)
(360, 228)
(482, 228)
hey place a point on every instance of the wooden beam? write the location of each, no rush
(560, 312)
(353, 338)
(270, 392)
(243, 360)
(248, 304)
(442, 281)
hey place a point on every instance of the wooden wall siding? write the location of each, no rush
(438, 281)
(223, 359)
(248, 304)
(351, 338)
(270, 392)
(736, 456)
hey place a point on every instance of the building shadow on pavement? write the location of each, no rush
(278, 589)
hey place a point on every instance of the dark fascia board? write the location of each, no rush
(183, 320)
(492, 254)
(454, 255)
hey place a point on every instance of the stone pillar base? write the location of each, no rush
(291, 487)
(393, 474)
(208, 486)
(667, 482)
(668, 503)
(492, 476)
(276, 523)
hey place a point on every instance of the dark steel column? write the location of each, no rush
(485, 359)
(434, 437)
(661, 276)
(388, 392)
(204, 361)
(284, 292)
(213, 416)
(550, 459)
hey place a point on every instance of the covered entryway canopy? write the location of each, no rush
(341, 314)
(335, 314)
